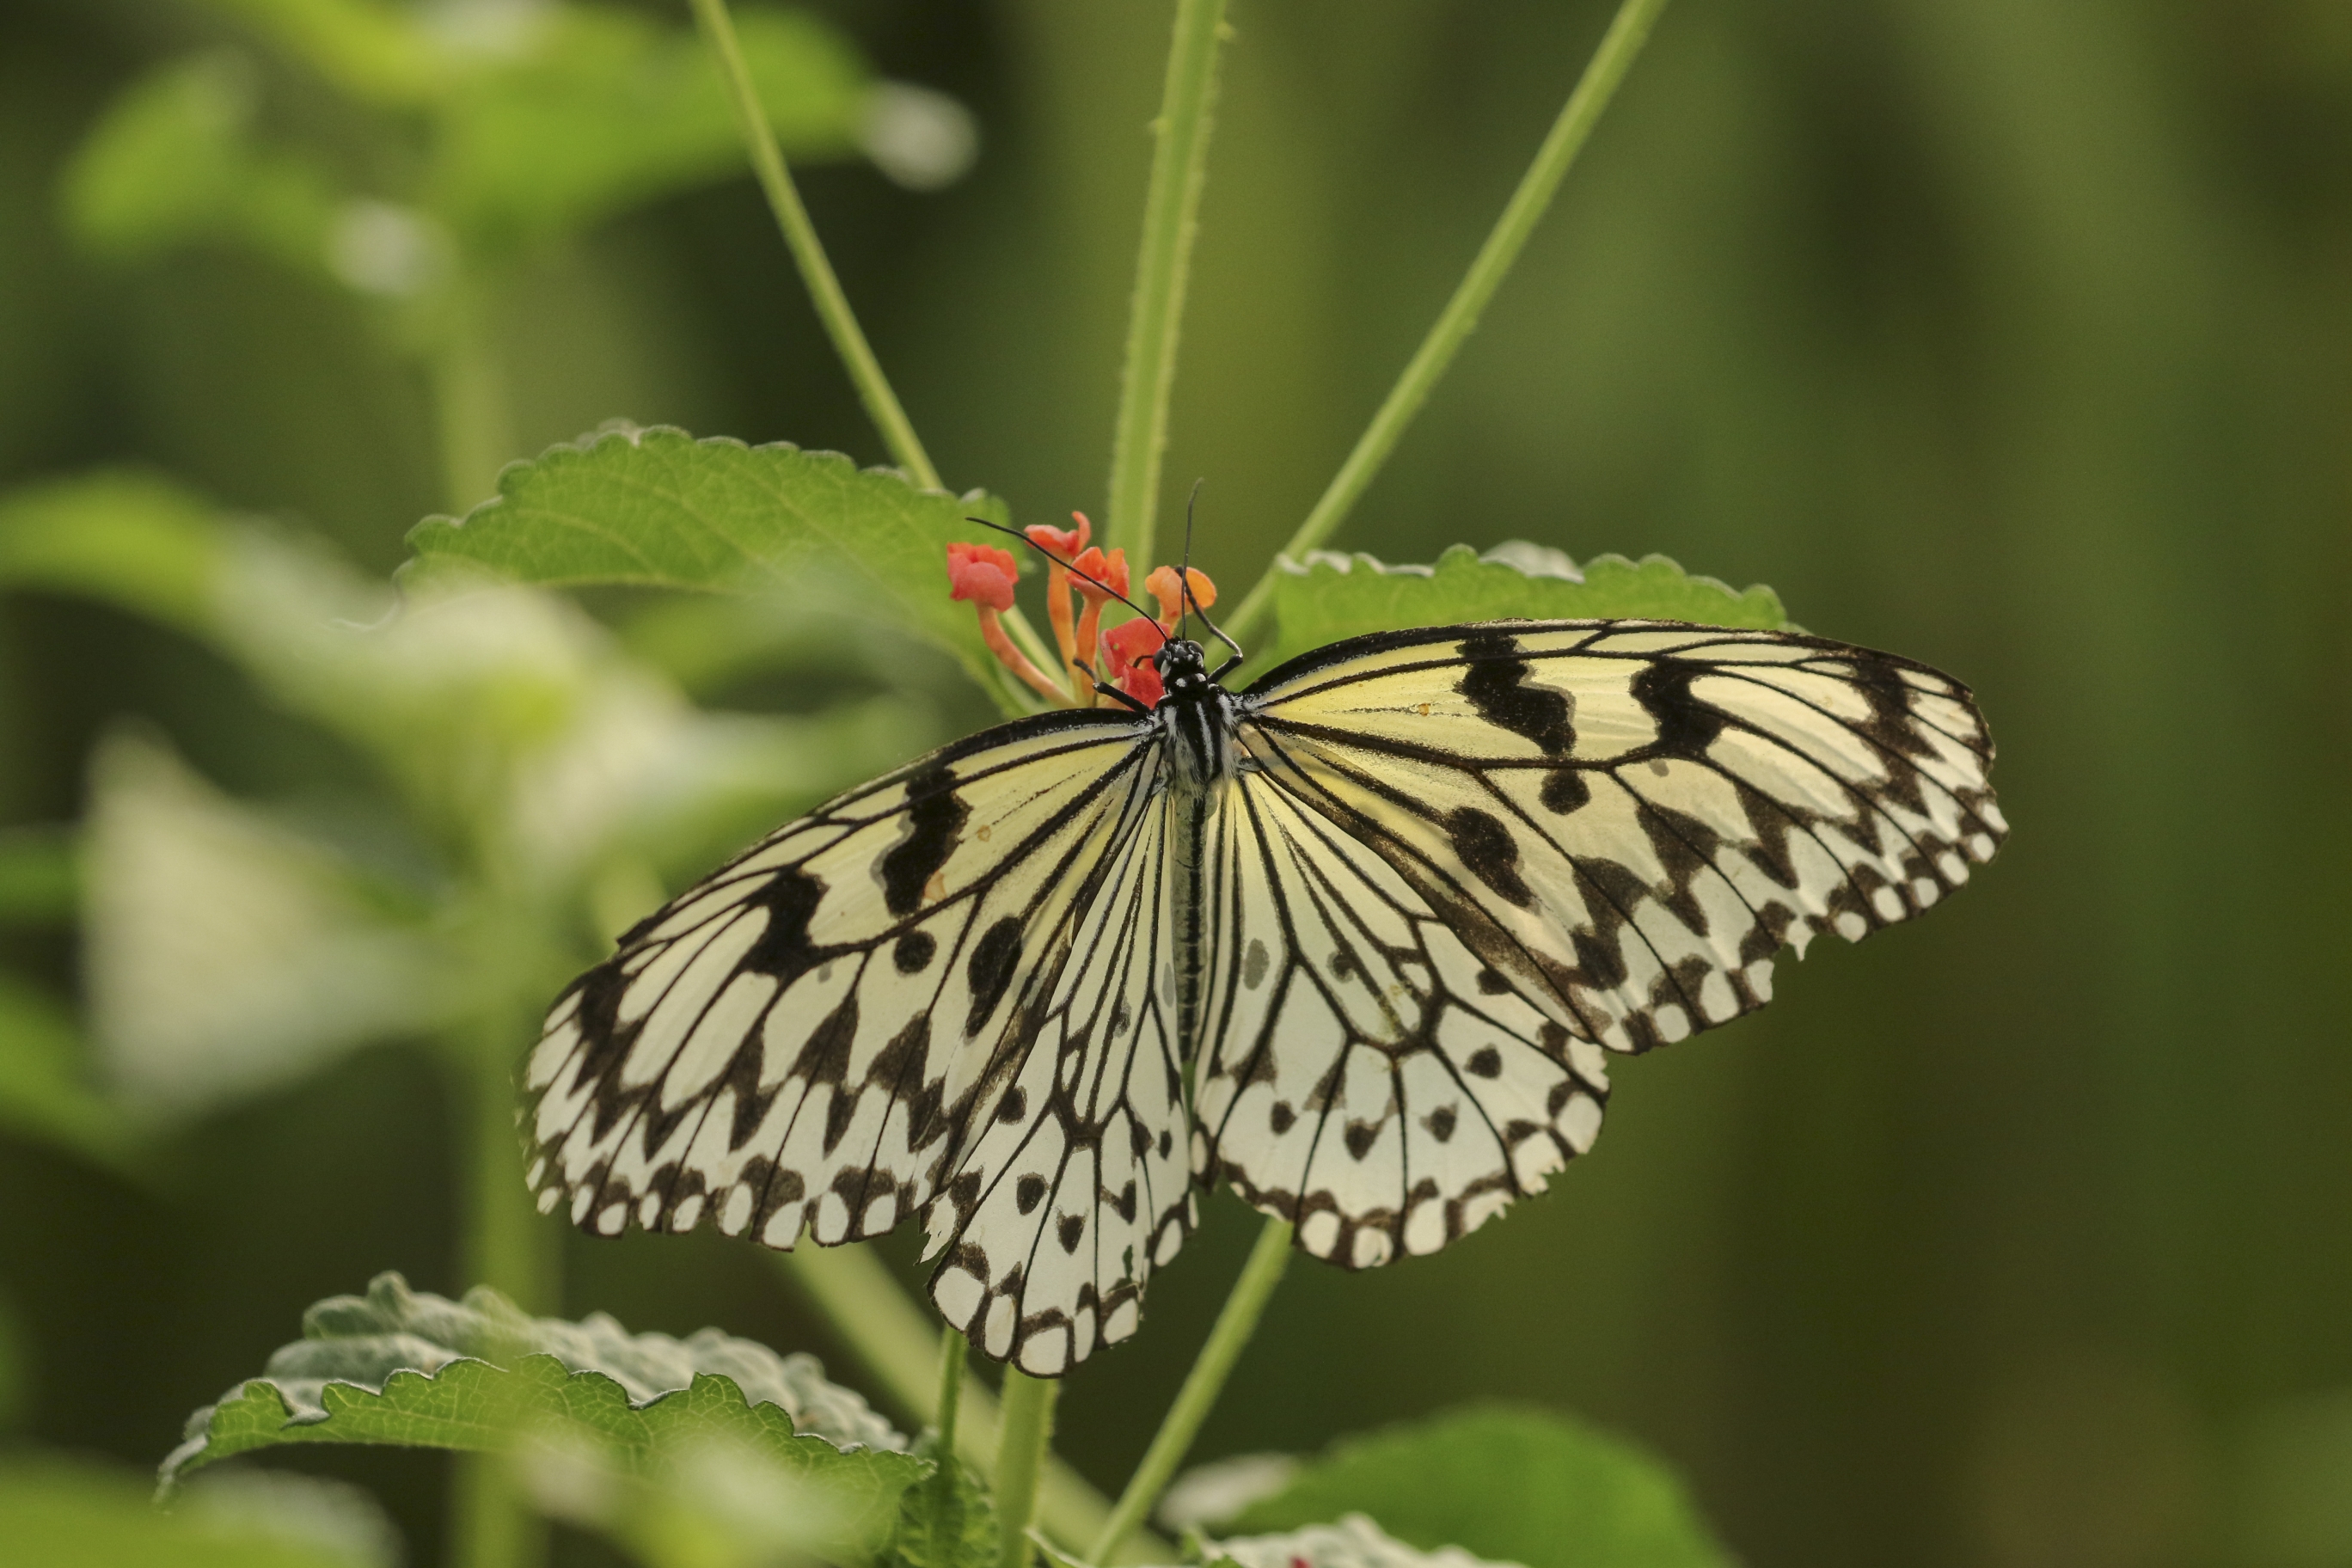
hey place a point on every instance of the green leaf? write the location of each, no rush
(136, 542)
(1354, 1542)
(412, 1369)
(376, 52)
(44, 1093)
(1511, 1484)
(357, 1349)
(656, 507)
(948, 1520)
(1329, 597)
(62, 1514)
(40, 875)
(175, 162)
(605, 108)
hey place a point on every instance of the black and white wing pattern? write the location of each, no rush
(1358, 941)
(1460, 863)
(932, 993)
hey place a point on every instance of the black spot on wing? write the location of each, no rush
(1687, 726)
(784, 949)
(912, 953)
(935, 820)
(1492, 854)
(994, 957)
(1565, 790)
(1496, 684)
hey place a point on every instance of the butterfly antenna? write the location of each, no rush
(1064, 565)
(1184, 580)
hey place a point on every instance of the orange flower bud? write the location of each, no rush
(1171, 595)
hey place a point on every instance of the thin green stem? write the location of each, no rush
(491, 1522)
(951, 1360)
(1619, 45)
(1235, 1326)
(1171, 206)
(1027, 1438)
(474, 432)
(808, 252)
(947, 1493)
(893, 1339)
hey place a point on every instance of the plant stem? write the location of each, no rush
(1171, 206)
(1619, 45)
(946, 1491)
(491, 1523)
(469, 396)
(1027, 1437)
(506, 1245)
(951, 1360)
(892, 1337)
(1234, 1325)
(808, 253)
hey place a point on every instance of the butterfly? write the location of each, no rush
(1357, 940)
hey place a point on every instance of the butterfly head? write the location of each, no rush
(1183, 666)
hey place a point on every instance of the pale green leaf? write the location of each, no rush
(44, 1091)
(1508, 1484)
(175, 162)
(1329, 597)
(376, 50)
(657, 507)
(414, 1370)
(134, 540)
(57, 1513)
(604, 107)
(1355, 1542)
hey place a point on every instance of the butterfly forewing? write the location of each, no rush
(1627, 820)
(798, 1041)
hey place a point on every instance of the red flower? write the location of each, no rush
(1061, 543)
(983, 575)
(1110, 573)
(1131, 646)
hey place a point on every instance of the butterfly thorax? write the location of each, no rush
(1197, 717)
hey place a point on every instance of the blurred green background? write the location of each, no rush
(2013, 336)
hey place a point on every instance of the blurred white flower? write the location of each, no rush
(919, 139)
(226, 954)
(380, 247)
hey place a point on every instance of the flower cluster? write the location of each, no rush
(1081, 580)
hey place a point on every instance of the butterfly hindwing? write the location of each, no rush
(1364, 1075)
(1074, 1183)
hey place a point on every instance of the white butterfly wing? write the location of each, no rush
(1074, 1184)
(1598, 834)
(1366, 1077)
(802, 1041)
